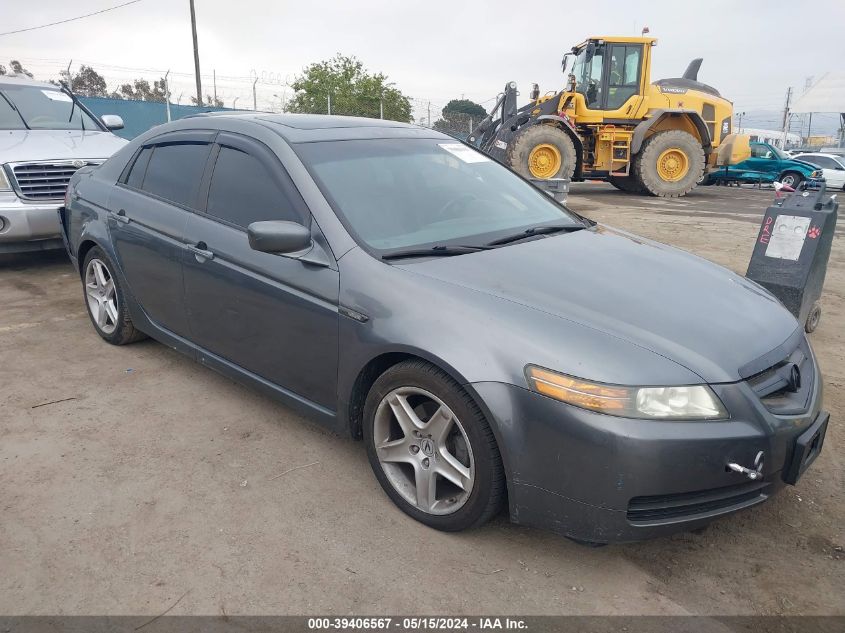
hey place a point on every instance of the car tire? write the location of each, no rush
(670, 163)
(105, 300)
(546, 149)
(791, 179)
(419, 425)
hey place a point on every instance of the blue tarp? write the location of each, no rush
(140, 116)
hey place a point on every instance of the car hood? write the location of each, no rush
(679, 306)
(36, 145)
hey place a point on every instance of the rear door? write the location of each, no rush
(271, 315)
(149, 210)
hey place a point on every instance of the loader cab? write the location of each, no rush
(611, 75)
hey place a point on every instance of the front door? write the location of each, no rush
(274, 316)
(149, 212)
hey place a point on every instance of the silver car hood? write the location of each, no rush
(35, 145)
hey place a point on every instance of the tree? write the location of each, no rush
(211, 102)
(352, 89)
(459, 115)
(88, 83)
(16, 68)
(140, 90)
(464, 106)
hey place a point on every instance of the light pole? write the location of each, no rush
(196, 53)
(167, 94)
(235, 103)
(254, 97)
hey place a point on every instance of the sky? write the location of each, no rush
(435, 51)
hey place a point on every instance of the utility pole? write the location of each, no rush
(69, 78)
(329, 101)
(167, 94)
(196, 53)
(381, 108)
(235, 103)
(786, 117)
(739, 126)
(429, 114)
(215, 85)
(254, 97)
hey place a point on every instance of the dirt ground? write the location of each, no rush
(133, 480)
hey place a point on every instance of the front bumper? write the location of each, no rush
(603, 479)
(28, 226)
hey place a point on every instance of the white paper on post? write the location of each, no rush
(55, 95)
(464, 153)
(788, 237)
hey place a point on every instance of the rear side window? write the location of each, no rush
(243, 191)
(135, 179)
(175, 170)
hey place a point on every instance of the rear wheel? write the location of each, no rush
(106, 300)
(431, 448)
(670, 163)
(542, 151)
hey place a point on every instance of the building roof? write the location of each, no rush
(826, 95)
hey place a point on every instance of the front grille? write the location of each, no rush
(45, 181)
(665, 508)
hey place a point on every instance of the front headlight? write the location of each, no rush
(4, 181)
(817, 174)
(693, 402)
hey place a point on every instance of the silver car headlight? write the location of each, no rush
(4, 180)
(688, 402)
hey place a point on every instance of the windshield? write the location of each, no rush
(400, 193)
(39, 108)
(587, 69)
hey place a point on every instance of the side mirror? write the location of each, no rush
(112, 121)
(564, 62)
(278, 237)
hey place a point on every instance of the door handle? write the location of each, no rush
(120, 216)
(200, 251)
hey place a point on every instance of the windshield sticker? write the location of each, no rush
(466, 154)
(788, 237)
(56, 95)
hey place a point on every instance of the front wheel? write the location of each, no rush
(431, 448)
(542, 151)
(791, 179)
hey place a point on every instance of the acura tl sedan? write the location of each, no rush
(488, 345)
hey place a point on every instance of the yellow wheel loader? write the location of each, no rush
(611, 123)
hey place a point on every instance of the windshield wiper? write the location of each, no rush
(436, 251)
(544, 229)
(15, 108)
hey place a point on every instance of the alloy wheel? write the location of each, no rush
(101, 295)
(423, 450)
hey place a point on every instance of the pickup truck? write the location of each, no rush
(766, 165)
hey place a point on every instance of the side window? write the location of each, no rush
(760, 151)
(175, 170)
(594, 91)
(624, 75)
(135, 178)
(242, 191)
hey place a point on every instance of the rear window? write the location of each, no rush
(174, 172)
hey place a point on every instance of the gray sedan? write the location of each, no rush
(488, 345)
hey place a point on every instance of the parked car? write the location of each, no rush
(478, 336)
(46, 134)
(832, 166)
(766, 165)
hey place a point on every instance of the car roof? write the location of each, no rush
(24, 80)
(304, 128)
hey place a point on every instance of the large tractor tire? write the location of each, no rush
(670, 164)
(628, 184)
(542, 151)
